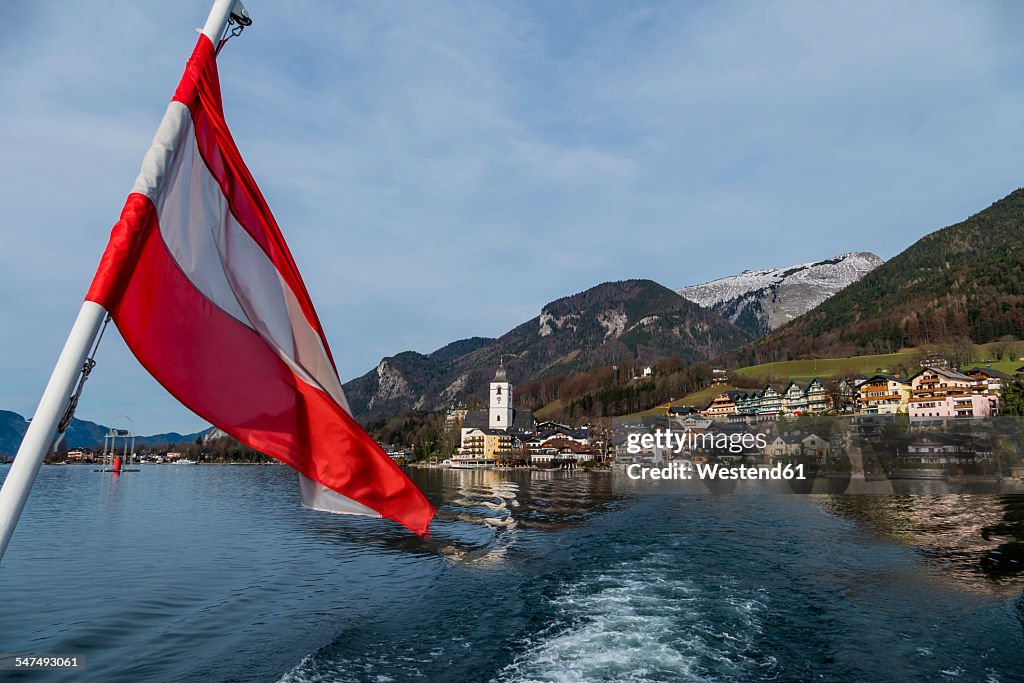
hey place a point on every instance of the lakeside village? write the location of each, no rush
(940, 422)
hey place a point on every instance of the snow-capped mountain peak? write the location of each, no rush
(761, 300)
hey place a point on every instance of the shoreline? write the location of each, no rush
(952, 479)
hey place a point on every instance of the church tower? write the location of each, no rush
(500, 414)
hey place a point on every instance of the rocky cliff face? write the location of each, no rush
(637, 319)
(761, 300)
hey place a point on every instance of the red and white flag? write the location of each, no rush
(204, 291)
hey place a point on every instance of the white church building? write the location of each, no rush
(486, 434)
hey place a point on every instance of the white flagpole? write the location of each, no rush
(57, 395)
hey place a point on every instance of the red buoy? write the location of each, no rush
(117, 463)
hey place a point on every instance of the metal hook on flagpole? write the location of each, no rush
(87, 367)
(238, 20)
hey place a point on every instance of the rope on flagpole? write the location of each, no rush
(238, 20)
(87, 367)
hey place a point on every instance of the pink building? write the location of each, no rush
(949, 407)
(937, 394)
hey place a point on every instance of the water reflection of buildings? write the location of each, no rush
(479, 513)
(481, 496)
(531, 499)
(976, 539)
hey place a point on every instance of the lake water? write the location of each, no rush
(215, 573)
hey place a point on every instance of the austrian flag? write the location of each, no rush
(204, 291)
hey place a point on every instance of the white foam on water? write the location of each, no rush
(313, 669)
(645, 621)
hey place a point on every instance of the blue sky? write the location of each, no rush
(442, 170)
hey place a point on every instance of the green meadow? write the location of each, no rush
(825, 368)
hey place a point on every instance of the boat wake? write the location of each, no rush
(645, 621)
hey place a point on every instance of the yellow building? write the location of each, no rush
(884, 395)
(486, 444)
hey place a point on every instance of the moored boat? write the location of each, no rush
(468, 461)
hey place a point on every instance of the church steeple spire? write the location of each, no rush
(500, 412)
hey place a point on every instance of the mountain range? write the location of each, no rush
(961, 283)
(964, 282)
(637, 319)
(80, 434)
(761, 300)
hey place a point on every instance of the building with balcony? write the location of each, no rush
(487, 444)
(748, 404)
(941, 394)
(800, 398)
(991, 382)
(794, 399)
(884, 395)
(770, 405)
(722, 406)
